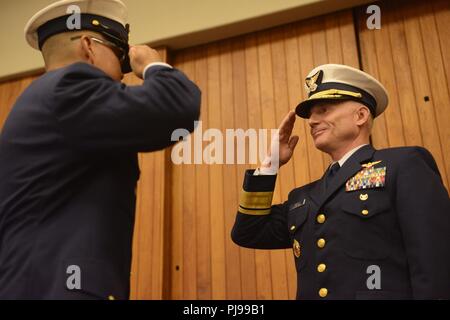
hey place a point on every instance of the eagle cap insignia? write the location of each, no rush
(314, 81)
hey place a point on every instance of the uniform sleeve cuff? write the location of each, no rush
(257, 194)
(154, 64)
(259, 183)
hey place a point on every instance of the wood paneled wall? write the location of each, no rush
(184, 215)
(410, 55)
(247, 82)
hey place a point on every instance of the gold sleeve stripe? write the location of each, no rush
(254, 212)
(256, 200)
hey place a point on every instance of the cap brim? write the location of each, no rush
(126, 65)
(304, 108)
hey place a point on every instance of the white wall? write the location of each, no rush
(174, 23)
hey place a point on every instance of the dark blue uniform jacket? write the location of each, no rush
(68, 173)
(381, 230)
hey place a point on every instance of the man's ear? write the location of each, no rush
(363, 115)
(86, 49)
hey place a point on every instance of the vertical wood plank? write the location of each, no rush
(234, 287)
(216, 203)
(190, 207)
(177, 221)
(203, 191)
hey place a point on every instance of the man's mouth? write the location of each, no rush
(317, 132)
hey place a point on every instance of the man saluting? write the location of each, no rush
(376, 225)
(68, 154)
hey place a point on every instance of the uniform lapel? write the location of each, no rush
(349, 169)
(318, 190)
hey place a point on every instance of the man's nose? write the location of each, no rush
(313, 120)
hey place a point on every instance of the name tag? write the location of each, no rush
(297, 205)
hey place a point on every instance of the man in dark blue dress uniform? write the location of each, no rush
(68, 153)
(376, 225)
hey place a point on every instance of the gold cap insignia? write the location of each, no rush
(313, 82)
(99, 24)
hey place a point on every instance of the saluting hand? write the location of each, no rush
(287, 142)
(142, 56)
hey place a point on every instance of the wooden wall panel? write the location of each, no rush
(247, 82)
(410, 55)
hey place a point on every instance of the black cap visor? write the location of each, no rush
(332, 92)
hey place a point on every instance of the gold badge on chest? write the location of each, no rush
(297, 249)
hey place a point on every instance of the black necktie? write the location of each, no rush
(331, 173)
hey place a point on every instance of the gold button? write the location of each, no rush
(363, 197)
(321, 218)
(323, 292)
(292, 228)
(95, 22)
(364, 213)
(321, 267)
(321, 243)
(112, 297)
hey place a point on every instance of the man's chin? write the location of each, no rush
(321, 144)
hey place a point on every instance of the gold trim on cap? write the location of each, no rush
(334, 93)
